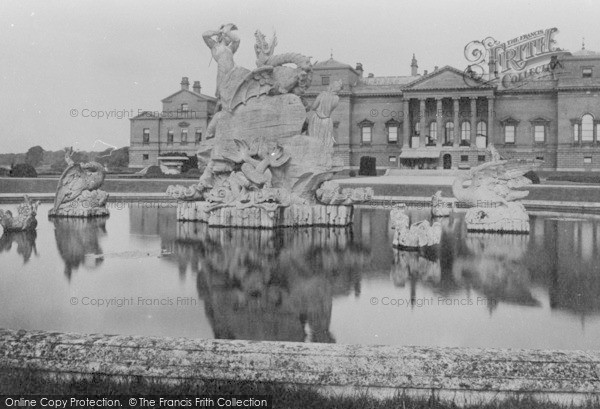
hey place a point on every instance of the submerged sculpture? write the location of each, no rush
(78, 193)
(260, 169)
(493, 194)
(25, 219)
(417, 236)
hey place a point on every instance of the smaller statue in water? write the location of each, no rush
(493, 194)
(78, 193)
(417, 236)
(25, 219)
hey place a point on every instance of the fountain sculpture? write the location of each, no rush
(25, 219)
(261, 169)
(417, 236)
(492, 195)
(78, 193)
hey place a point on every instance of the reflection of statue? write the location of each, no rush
(493, 194)
(415, 236)
(25, 241)
(76, 237)
(78, 193)
(271, 284)
(415, 266)
(25, 219)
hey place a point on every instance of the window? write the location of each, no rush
(184, 136)
(170, 137)
(392, 159)
(145, 156)
(509, 133)
(464, 158)
(481, 129)
(481, 158)
(184, 107)
(325, 80)
(586, 72)
(393, 134)
(366, 131)
(146, 136)
(417, 128)
(576, 132)
(465, 131)
(449, 137)
(433, 132)
(587, 160)
(539, 133)
(366, 134)
(587, 128)
(198, 137)
(539, 158)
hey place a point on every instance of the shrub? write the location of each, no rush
(23, 170)
(154, 172)
(352, 173)
(191, 164)
(531, 175)
(193, 173)
(367, 166)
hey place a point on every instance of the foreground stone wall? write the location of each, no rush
(381, 370)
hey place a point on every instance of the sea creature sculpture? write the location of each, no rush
(25, 219)
(416, 236)
(78, 193)
(493, 194)
(439, 206)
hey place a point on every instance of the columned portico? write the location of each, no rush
(406, 124)
(456, 107)
(490, 121)
(473, 120)
(439, 122)
(423, 123)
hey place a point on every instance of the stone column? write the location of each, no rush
(473, 120)
(490, 121)
(439, 122)
(456, 102)
(422, 122)
(406, 124)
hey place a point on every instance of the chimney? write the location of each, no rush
(185, 83)
(492, 70)
(425, 72)
(359, 68)
(197, 88)
(414, 67)
(436, 68)
(371, 75)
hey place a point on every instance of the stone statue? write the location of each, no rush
(320, 123)
(78, 193)
(261, 170)
(493, 193)
(25, 219)
(416, 236)
(439, 206)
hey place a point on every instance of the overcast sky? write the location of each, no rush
(124, 56)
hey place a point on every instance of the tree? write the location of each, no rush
(34, 156)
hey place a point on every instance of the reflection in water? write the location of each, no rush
(271, 284)
(76, 237)
(25, 241)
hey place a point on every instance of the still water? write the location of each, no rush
(142, 272)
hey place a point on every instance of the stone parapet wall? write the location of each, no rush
(452, 372)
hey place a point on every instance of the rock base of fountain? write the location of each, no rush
(295, 215)
(512, 218)
(91, 203)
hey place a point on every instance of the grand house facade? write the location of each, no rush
(440, 119)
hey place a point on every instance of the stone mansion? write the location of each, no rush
(439, 119)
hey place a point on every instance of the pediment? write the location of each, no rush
(444, 78)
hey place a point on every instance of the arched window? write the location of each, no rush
(465, 131)
(417, 128)
(481, 129)
(433, 132)
(449, 137)
(587, 128)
